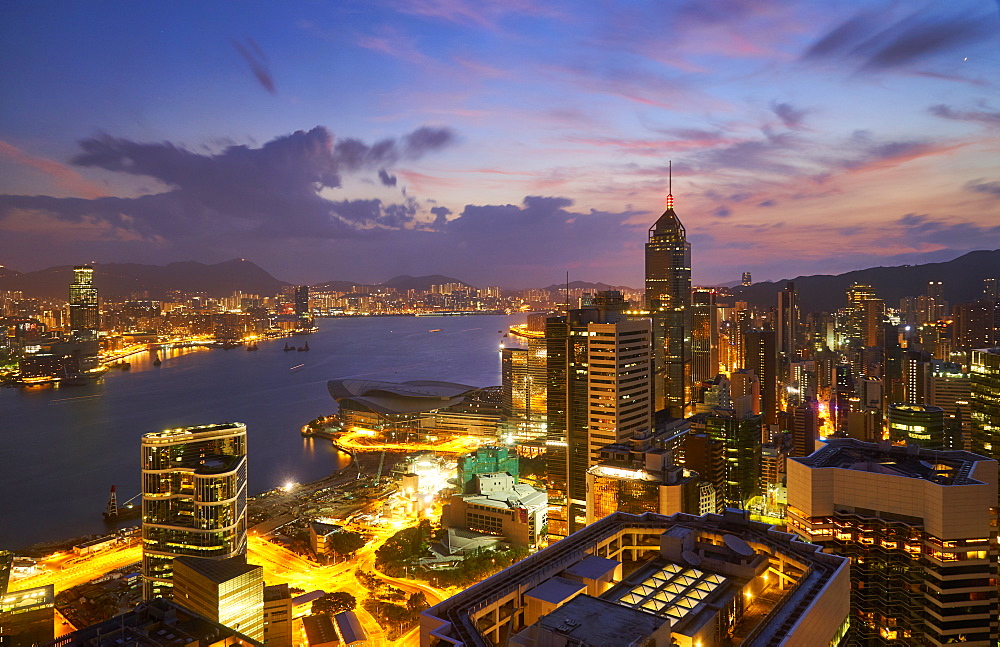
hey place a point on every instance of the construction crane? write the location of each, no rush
(114, 511)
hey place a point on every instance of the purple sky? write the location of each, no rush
(501, 143)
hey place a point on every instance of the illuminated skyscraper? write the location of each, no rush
(84, 318)
(762, 359)
(303, 318)
(704, 335)
(747, 279)
(598, 375)
(668, 299)
(984, 403)
(522, 378)
(917, 424)
(194, 498)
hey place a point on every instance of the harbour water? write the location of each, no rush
(61, 449)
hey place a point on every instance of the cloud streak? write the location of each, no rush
(257, 60)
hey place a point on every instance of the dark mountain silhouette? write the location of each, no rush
(120, 280)
(962, 280)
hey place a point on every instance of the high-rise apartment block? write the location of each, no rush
(194, 498)
(916, 525)
(668, 300)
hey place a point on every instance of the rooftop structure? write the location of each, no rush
(911, 520)
(415, 396)
(496, 504)
(157, 623)
(693, 579)
(227, 591)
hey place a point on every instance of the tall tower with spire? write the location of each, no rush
(668, 299)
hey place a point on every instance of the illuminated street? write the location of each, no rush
(352, 441)
(84, 570)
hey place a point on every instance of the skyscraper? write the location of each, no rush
(788, 323)
(704, 335)
(303, 318)
(984, 403)
(668, 299)
(598, 376)
(762, 358)
(84, 319)
(194, 498)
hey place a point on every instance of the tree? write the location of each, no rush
(333, 603)
(345, 543)
(417, 602)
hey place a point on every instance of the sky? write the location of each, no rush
(500, 143)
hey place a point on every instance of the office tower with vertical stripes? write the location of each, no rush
(668, 300)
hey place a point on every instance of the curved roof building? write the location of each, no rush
(389, 398)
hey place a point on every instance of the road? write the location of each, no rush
(280, 566)
(352, 441)
(82, 571)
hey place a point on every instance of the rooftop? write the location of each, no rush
(593, 621)
(387, 398)
(556, 590)
(944, 467)
(217, 570)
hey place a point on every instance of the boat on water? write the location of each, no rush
(126, 366)
(288, 347)
(302, 348)
(156, 359)
(252, 346)
(435, 330)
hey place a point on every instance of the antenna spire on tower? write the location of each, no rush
(670, 184)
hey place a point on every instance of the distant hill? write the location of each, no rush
(420, 283)
(119, 280)
(584, 285)
(399, 283)
(962, 280)
(338, 286)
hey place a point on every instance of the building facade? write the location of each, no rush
(194, 498)
(84, 311)
(599, 393)
(916, 525)
(985, 401)
(227, 591)
(668, 300)
(693, 581)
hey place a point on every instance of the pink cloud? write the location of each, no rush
(65, 177)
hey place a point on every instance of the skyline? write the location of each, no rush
(359, 141)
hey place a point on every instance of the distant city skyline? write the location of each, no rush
(501, 145)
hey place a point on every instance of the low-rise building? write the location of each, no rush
(692, 581)
(498, 505)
